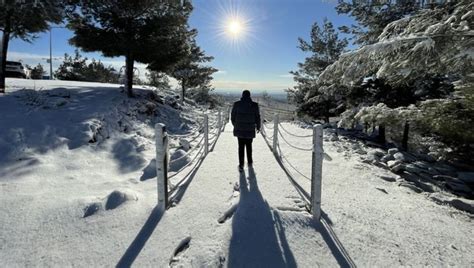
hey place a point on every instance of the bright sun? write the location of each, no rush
(234, 27)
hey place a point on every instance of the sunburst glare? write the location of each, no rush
(234, 26)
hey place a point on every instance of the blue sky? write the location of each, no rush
(258, 58)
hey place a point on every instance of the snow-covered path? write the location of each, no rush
(268, 228)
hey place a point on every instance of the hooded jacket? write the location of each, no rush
(245, 118)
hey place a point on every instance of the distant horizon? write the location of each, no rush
(253, 91)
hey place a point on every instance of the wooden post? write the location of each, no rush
(162, 165)
(206, 134)
(262, 121)
(275, 134)
(316, 171)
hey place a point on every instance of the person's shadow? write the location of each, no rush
(255, 231)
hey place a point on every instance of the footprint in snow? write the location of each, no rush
(382, 190)
(182, 246)
(228, 213)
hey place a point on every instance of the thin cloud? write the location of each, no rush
(286, 75)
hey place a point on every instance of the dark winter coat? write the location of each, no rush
(245, 118)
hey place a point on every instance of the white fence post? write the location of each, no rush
(316, 171)
(162, 165)
(275, 134)
(206, 134)
(262, 121)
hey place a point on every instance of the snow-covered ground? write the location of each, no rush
(77, 189)
(381, 223)
(65, 146)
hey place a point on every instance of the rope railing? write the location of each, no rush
(317, 158)
(195, 131)
(294, 135)
(187, 164)
(209, 137)
(313, 199)
(267, 126)
(293, 146)
(293, 167)
(188, 152)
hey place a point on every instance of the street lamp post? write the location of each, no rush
(50, 54)
(51, 50)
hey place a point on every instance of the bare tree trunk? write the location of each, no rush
(405, 136)
(129, 75)
(3, 54)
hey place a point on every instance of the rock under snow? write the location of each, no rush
(178, 159)
(117, 198)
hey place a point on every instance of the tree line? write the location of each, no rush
(152, 32)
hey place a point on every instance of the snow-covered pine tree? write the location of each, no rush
(426, 60)
(373, 15)
(77, 69)
(23, 19)
(324, 47)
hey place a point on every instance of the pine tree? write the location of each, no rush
(146, 31)
(22, 19)
(373, 15)
(325, 48)
(190, 72)
(37, 72)
(76, 69)
(72, 69)
(158, 80)
(96, 71)
(421, 62)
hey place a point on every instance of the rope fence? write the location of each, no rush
(294, 146)
(294, 135)
(273, 141)
(207, 134)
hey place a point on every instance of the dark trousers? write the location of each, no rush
(245, 143)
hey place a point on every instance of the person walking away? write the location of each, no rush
(245, 118)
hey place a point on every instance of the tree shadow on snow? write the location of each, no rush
(140, 240)
(258, 237)
(17, 169)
